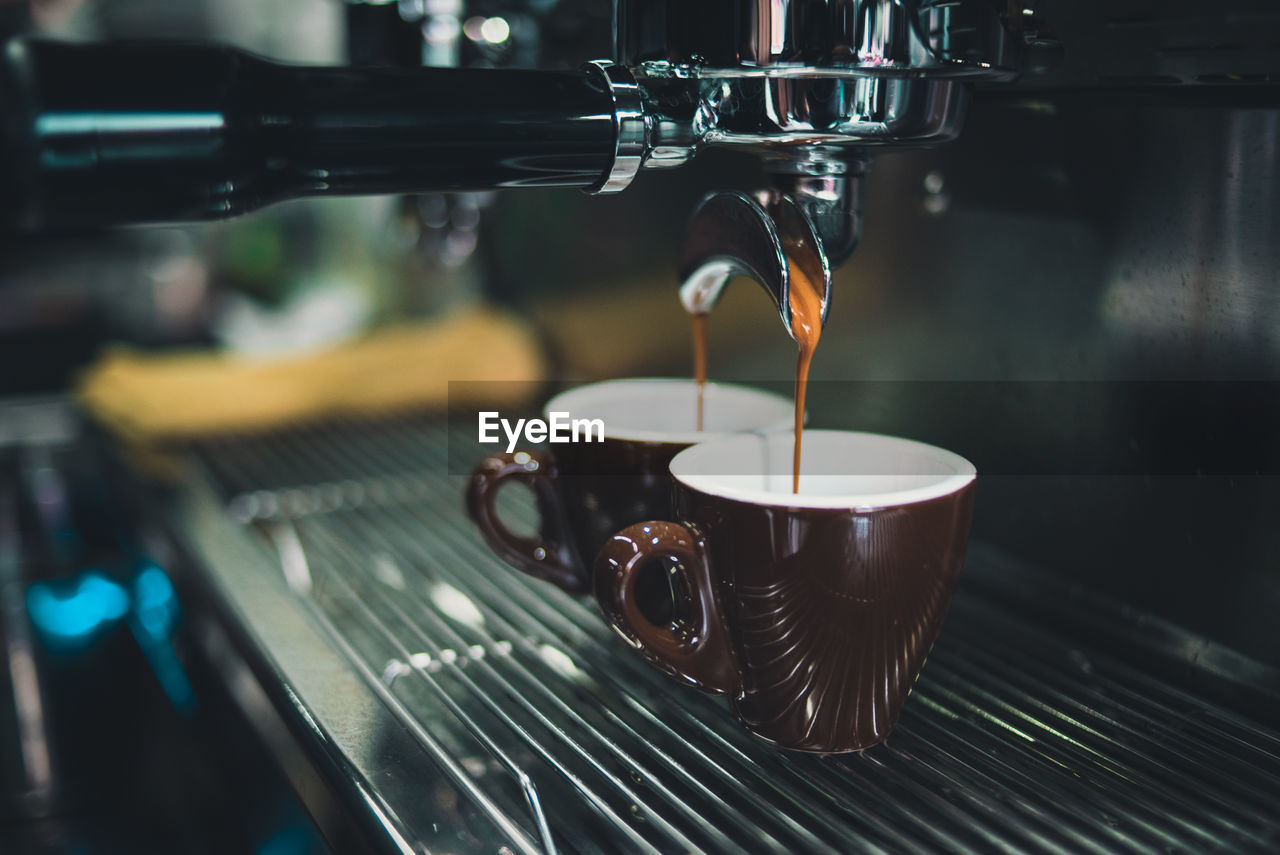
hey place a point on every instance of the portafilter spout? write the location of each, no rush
(733, 234)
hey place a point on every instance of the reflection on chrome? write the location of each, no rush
(559, 660)
(456, 604)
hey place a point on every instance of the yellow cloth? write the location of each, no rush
(149, 398)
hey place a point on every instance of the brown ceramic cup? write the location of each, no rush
(586, 491)
(814, 611)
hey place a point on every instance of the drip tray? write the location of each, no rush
(456, 705)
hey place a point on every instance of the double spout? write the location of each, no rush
(808, 222)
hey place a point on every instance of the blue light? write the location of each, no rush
(167, 668)
(89, 122)
(75, 611)
(72, 612)
(155, 615)
(155, 602)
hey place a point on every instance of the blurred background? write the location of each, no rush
(1080, 294)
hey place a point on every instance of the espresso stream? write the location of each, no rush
(806, 326)
(700, 358)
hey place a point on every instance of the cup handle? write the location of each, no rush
(548, 556)
(695, 650)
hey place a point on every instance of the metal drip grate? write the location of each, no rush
(1013, 740)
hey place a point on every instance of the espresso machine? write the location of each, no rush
(1066, 272)
(814, 88)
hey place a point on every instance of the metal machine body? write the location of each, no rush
(812, 86)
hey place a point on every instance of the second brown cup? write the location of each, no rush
(586, 491)
(814, 611)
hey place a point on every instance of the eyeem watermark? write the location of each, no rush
(560, 428)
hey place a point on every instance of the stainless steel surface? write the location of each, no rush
(829, 192)
(34, 423)
(811, 74)
(401, 628)
(28, 784)
(883, 38)
(629, 119)
(817, 114)
(857, 112)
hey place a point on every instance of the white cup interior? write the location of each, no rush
(839, 469)
(666, 410)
